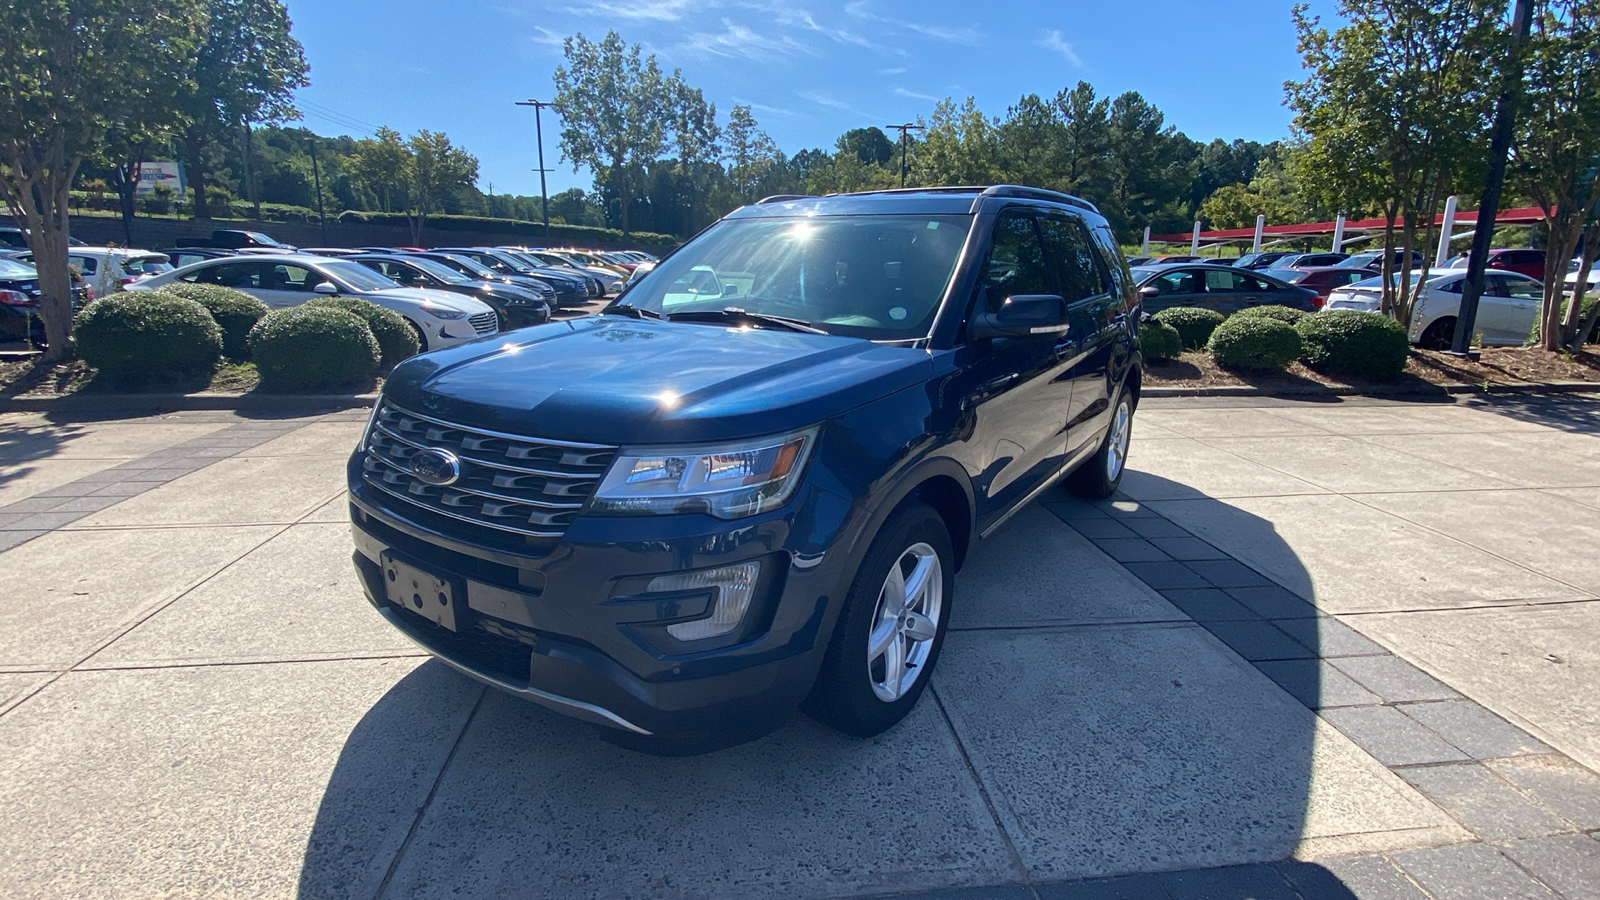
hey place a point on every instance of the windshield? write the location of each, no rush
(355, 275)
(12, 269)
(878, 277)
(1394, 278)
(146, 265)
(438, 270)
(465, 264)
(263, 239)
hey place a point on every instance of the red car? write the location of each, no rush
(1528, 262)
(1324, 279)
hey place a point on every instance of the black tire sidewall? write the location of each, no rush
(843, 697)
(1089, 480)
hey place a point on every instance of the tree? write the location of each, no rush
(1556, 158)
(433, 170)
(1030, 141)
(697, 138)
(1395, 102)
(748, 151)
(379, 164)
(246, 72)
(870, 145)
(1146, 170)
(615, 104)
(1237, 206)
(67, 68)
(959, 146)
(1085, 140)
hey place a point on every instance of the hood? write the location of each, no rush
(614, 380)
(401, 299)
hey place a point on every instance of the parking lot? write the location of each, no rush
(1360, 635)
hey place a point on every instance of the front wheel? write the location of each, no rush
(1100, 475)
(891, 628)
(1439, 335)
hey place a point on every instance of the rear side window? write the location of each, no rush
(86, 264)
(1016, 261)
(1081, 273)
(234, 275)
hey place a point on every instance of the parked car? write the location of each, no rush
(591, 259)
(1167, 260)
(1322, 279)
(570, 290)
(1139, 260)
(1525, 262)
(593, 288)
(1261, 260)
(611, 281)
(1373, 259)
(236, 239)
(183, 256)
(1308, 260)
(516, 307)
(12, 237)
(19, 302)
(1222, 288)
(441, 319)
(476, 270)
(335, 251)
(1507, 309)
(106, 270)
(678, 520)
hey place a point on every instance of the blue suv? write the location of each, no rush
(747, 484)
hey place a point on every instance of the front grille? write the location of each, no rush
(484, 323)
(510, 483)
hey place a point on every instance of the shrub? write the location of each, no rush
(1159, 341)
(1288, 315)
(144, 334)
(1349, 342)
(1194, 325)
(396, 338)
(309, 347)
(235, 312)
(1254, 342)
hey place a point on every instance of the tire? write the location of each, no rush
(422, 339)
(1439, 335)
(1099, 476)
(854, 693)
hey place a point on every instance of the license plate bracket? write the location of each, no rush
(420, 591)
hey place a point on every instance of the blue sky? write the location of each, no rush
(810, 71)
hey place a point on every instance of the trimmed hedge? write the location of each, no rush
(1194, 325)
(580, 235)
(235, 312)
(397, 340)
(305, 348)
(1254, 342)
(1288, 315)
(146, 334)
(1350, 342)
(1159, 341)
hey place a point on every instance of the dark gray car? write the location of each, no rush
(1223, 288)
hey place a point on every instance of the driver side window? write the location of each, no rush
(1016, 261)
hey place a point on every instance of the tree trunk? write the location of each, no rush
(1386, 262)
(249, 171)
(194, 146)
(1584, 324)
(126, 188)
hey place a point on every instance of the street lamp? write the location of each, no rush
(538, 130)
(909, 126)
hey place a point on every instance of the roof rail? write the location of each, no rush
(1030, 193)
(779, 198)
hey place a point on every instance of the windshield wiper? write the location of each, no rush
(735, 314)
(631, 311)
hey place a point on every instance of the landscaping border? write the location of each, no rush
(146, 404)
(1403, 390)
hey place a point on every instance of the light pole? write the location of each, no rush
(316, 172)
(909, 126)
(538, 130)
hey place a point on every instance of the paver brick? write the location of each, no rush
(1273, 602)
(1258, 640)
(1392, 738)
(1477, 731)
(1394, 679)
(1229, 573)
(1208, 605)
(1329, 637)
(1166, 575)
(1317, 684)
(1569, 789)
(1485, 803)
(1570, 863)
(1187, 548)
(1131, 550)
(1470, 872)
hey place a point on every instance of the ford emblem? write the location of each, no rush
(440, 467)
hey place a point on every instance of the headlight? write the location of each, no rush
(727, 480)
(443, 312)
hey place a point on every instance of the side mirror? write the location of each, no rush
(730, 290)
(1022, 315)
(325, 287)
(1149, 292)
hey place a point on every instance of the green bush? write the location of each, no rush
(1288, 315)
(146, 334)
(1350, 342)
(396, 338)
(307, 348)
(1254, 342)
(1194, 325)
(1158, 341)
(235, 312)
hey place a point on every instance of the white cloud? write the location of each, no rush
(543, 35)
(971, 37)
(1053, 41)
(741, 41)
(897, 70)
(647, 10)
(916, 96)
(831, 102)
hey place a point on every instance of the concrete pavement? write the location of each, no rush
(1316, 650)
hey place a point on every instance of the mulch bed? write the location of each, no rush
(19, 377)
(1497, 367)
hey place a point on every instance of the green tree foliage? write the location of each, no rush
(959, 146)
(434, 169)
(246, 72)
(379, 164)
(68, 68)
(748, 152)
(870, 145)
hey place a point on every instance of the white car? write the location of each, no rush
(106, 270)
(1507, 310)
(441, 318)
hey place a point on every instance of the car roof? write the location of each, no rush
(961, 200)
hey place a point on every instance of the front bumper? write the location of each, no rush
(567, 623)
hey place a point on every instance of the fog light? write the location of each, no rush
(735, 585)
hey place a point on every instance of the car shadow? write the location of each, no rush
(22, 444)
(1578, 413)
(1088, 721)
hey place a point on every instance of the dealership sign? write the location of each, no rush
(154, 173)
